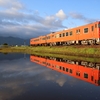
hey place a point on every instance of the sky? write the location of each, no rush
(31, 18)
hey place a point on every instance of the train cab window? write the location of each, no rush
(98, 25)
(71, 33)
(36, 40)
(85, 75)
(85, 30)
(66, 33)
(92, 28)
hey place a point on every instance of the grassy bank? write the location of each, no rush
(69, 50)
(87, 51)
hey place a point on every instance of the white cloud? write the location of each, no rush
(61, 15)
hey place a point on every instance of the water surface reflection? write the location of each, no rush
(87, 71)
(22, 79)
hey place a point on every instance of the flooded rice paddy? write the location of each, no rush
(30, 77)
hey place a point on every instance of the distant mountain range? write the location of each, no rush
(14, 41)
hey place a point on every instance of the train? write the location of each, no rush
(88, 34)
(86, 71)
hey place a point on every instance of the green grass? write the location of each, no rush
(66, 50)
(86, 52)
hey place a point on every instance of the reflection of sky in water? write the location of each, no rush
(21, 79)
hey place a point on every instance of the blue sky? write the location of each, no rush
(32, 18)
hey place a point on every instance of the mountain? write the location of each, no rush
(14, 41)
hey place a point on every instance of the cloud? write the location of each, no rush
(16, 20)
(79, 16)
(21, 75)
(11, 4)
(61, 15)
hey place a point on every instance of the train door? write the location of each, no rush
(92, 32)
(78, 36)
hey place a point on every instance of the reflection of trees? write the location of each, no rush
(5, 53)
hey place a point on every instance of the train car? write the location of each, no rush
(87, 34)
(34, 41)
(50, 39)
(86, 72)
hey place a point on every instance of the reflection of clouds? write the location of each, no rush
(61, 80)
(18, 76)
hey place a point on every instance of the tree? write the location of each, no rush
(5, 45)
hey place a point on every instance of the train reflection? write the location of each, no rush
(86, 71)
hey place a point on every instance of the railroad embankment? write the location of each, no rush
(83, 51)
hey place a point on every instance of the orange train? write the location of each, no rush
(87, 34)
(86, 71)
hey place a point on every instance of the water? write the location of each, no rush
(25, 77)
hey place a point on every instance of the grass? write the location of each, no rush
(71, 52)
(85, 52)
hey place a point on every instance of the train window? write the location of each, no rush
(43, 38)
(63, 34)
(98, 25)
(63, 69)
(92, 78)
(85, 75)
(95, 25)
(92, 28)
(78, 31)
(71, 33)
(66, 33)
(57, 66)
(85, 30)
(59, 35)
(60, 67)
(66, 69)
(70, 71)
(36, 40)
(78, 73)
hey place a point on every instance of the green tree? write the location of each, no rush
(5, 45)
